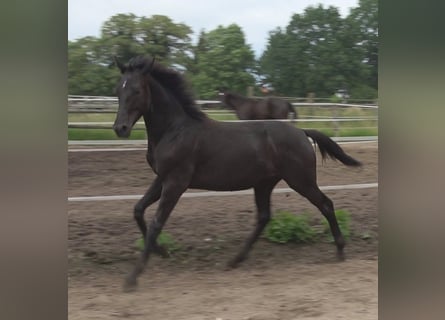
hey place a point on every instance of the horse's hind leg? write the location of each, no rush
(262, 200)
(312, 192)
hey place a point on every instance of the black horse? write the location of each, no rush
(186, 149)
(258, 109)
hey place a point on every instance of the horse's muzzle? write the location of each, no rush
(122, 130)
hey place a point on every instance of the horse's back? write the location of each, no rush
(284, 135)
(278, 108)
(287, 134)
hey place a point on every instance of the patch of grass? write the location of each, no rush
(95, 117)
(342, 132)
(367, 235)
(101, 134)
(164, 240)
(286, 227)
(344, 222)
(358, 132)
(222, 116)
(139, 243)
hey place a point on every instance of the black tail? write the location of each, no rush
(329, 147)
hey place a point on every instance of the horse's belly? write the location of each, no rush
(232, 178)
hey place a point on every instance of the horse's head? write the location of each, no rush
(133, 94)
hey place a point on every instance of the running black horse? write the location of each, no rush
(257, 109)
(186, 149)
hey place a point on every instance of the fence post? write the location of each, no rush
(335, 122)
(250, 91)
(310, 99)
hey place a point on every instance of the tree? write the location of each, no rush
(364, 21)
(278, 64)
(88, 68)
(318, 51)
(321, 52)
(125, 36)
(309, 56)
(169, 41)
(222, 59)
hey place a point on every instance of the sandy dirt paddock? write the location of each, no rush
(277, 281)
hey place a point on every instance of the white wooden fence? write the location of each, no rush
(104, 104)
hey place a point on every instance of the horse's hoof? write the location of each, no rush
(230, 266)
(341, 256)
(233, 264)
(130, 284)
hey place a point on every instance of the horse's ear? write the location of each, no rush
(120, 65)
(149, 67)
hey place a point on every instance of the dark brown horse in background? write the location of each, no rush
(186, 149)
(258, 109)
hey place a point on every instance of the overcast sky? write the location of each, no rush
(255, 17)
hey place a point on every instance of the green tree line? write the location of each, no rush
(319, 51)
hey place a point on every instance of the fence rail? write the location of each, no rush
(81, 98)
(104, 104)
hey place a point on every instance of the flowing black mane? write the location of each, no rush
(171, 80)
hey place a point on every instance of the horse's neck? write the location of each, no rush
(164, 113)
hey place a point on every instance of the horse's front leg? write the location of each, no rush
(172, 189)
(151, 196)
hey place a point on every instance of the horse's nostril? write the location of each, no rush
(120, 129)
